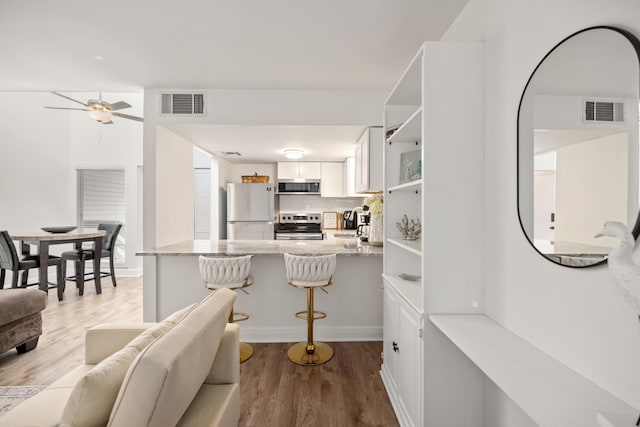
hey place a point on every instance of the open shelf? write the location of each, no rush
(413, 246)
(408, 90)
(546, 390)
(407, 186)
(410, 131)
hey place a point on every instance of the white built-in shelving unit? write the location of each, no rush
(435, 110)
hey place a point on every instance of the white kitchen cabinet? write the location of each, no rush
(368, 161)
(332, 182)
(299, 170)
(402, 369)
(349, 178)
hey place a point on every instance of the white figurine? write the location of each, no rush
(623, 270)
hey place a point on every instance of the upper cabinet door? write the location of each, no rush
(310, 170)
(332, 180)
(369, 169)
(299, 170)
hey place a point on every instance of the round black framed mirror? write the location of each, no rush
(578, 146)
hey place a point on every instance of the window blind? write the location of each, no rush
(101, 199)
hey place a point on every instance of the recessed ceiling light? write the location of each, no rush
(293, 153)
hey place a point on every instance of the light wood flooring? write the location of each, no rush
(346, 391)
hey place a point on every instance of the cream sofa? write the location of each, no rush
(183, 371)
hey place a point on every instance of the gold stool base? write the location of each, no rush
(322, 353)
(246, 351)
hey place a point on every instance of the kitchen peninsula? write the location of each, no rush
(353, 303)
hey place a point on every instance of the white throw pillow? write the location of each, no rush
(93, 396)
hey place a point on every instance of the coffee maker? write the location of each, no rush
(350, 220)
(363, 227)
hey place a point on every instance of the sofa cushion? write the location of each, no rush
(215, 405)
(41, 410)
(166, 376)
(93, 396)
(19, 303)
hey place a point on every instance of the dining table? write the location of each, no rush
(43, 240)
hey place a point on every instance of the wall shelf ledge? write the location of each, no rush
(546, 390)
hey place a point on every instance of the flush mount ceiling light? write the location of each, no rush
(293, 153)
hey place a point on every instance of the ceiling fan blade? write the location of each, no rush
(67, 108)
(119, 105)
(127, 116)
(70, 99)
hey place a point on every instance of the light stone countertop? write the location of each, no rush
(331, 245)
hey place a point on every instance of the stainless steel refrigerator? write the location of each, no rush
(250, 211)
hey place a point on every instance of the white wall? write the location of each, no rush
(35, 176)
(42, 148)
(174, 195)
(116, 146)
(591, 189)
(575, 315)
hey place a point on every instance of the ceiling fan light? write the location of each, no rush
(293, 153)
(100, 116)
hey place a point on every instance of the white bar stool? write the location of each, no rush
(310, 272)
(231, 273)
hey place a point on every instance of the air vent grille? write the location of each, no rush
(603, 111)
(182, 103)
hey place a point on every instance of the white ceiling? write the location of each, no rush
(258, 144)
(127, 46)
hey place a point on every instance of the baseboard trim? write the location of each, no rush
(51, 276)
(273, 335)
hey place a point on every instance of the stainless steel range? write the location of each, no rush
(299, 226)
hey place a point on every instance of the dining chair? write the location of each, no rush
(82, 255)
(9, 260)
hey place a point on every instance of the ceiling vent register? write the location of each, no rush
(603, 111)
(183, 103)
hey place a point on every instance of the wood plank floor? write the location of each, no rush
(346, 391)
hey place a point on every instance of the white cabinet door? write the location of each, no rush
(349, 178)
(331, 182)
(360, 182)
(310, 170)
(390, 332)
(288, 170)
(402, 349)
(299, 170)
(409, 363)
(369, 168)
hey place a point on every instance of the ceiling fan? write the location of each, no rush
(100, 110)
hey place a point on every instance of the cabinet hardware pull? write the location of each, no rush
(395, 346)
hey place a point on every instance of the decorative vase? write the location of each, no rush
(376, 230)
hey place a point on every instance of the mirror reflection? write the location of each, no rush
(578, 146)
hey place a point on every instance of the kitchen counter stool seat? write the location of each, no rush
(231, 273)
(310, 272)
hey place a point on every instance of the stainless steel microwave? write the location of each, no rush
(286, 186)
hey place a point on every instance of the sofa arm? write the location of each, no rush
(101, 341)
(226, 366)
